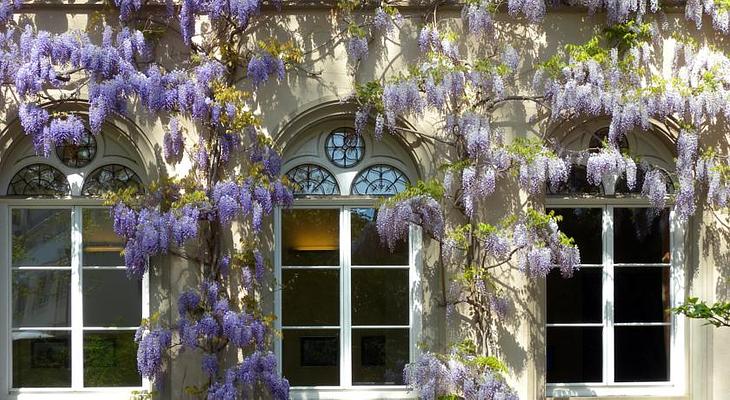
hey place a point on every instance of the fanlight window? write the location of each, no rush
(77, 155)
(380, 180)
(344, 147)
(110, 178)
(312, 179)
(39, 180)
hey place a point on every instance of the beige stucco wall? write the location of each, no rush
(286, 108)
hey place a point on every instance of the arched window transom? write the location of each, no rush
(39, 180)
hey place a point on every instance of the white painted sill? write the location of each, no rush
(625, 390)
(354, 393)
(73, 394)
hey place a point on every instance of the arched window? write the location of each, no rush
(311, 179)
(380, 180)
(109, 178)
(345, 308)
(608, 327)
(62, 247)
(39, 180)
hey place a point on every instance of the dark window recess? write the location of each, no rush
(641, 235)
(319, 351)
(641, 294)
(311, 357)
(576, 299)
(585, 226)
(642, 353)
(574, 354)
(310, 297)
(380, 297)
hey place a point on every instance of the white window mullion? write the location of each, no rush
(77, 305)
(414, 261)
(607, 295)
(677, 294)
(278, 284)
(6, 312)
(345, 301)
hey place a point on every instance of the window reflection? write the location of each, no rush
(380, 297)
(310, 297)
(310, 237)
(41, 359)
(641, 235)
(379, 356)
(41, 299)
(311, 357)
(367, 248)
(41, 237)
(102, 247)
(110, 359)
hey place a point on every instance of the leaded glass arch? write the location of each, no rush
(380, 180)
(39, 180)
(110, 177)
(77, 155)
(311, 179)
(344, 147)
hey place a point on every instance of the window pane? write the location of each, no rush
(380, 297)
(310, 237)
(642, 353)
(311, 357)
(101, 245)
(41, 359)
(41, 299)
(641, 294)
(367, 248)
(310, 297)
(111, 299)
(574, 354)
(585, 226)
(379, 355)
(641, 235)
(574, 299)
(41, 237)
(110, 359)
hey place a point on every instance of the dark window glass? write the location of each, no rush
(41, 359)
(310, 179)
(380, 297)
(575, 299)
(641, 294)
(601, 136)
(41, 299)
(641, 235)
(111, 299)
(310, 237)
(310, 297)
(367, 248)
(344, 147)
(77, 155)
(642, 353)
(585, 226)
(380, 180)
(574, 354)
(41, 237)
(109, 178)
(110, 359)
(102, 247)
(379, 356)
(39, 180)
(311, 357)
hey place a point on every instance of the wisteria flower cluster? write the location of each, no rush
(460, 374)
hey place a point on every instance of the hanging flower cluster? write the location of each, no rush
(459, 374)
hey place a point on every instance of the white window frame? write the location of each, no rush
(346, 390)
(677, 383)
(76, 391)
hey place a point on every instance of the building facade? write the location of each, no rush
(351, 312)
